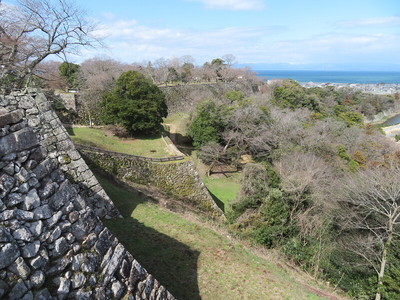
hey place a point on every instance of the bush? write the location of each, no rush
(234, 96)
(351, 118)
(292, 95)
(207, 124)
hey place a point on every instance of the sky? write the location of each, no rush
(294, 34)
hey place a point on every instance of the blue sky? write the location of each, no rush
(301, 34)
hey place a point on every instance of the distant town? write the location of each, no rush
(379, 88)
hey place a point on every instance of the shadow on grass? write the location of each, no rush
(70, 131)
(171, 262)
(219, 203)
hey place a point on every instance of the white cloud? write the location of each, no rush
(333, 48)
(375, 22)
(233, 4)
(130, 41)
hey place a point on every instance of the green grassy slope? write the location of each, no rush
(194, 261)
(225, 189)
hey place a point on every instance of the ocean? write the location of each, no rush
(333, 76)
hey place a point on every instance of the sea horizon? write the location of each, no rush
(350, 77)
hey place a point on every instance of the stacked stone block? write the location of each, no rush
(52, 242)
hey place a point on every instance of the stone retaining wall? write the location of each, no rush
(52, 242)
(179, 179)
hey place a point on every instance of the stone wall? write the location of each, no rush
(179, 179)
(52, 242)
(55, 145)
(69, 100)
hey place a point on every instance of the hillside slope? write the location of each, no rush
(198, 260)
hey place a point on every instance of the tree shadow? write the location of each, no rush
(171, 262)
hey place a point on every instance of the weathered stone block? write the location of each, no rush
(13, 199)
(30, 249)
(18, 291)
(6, 184)
(22, 234)
(58, 266)
(39, 262)
(63, 289)
(45, 168)
(43, 212)
(8, 254)
(31, 200)
(11, 117)
(56, 233)
(60, 247)
(36, 228)
(24, 215)
(5, 235)
(37, 279)
(18, 141)
(62, 196)
(84, 225)
(114, 263)
(20, 268)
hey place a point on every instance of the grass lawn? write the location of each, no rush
(223, 188)
(143, 146)
(193, 261)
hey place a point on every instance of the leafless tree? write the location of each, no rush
(48, 72)
(161, 70)
(229, 59)
(212, 154)
(303, 175)
(97, 76)
(38, 28)
(187, 59)
(371, 203)
(249, 131)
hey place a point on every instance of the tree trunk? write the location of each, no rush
(381, 273)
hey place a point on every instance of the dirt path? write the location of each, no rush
(172, 132)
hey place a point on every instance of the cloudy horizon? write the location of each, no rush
(291, 33)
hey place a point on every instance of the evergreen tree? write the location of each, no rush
(135, 103)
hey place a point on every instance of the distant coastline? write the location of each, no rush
(348, 77)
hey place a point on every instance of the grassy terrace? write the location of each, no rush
(103, 139)
(194, 261)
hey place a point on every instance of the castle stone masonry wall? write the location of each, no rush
(179, 178)
(52, 243)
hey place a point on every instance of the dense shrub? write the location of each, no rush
(207, 124)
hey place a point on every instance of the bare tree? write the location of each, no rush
(48, 72)
(38, 28)
(371, 202)
(97, 76)
(229, 59)
(303, 175)
(161, 70)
